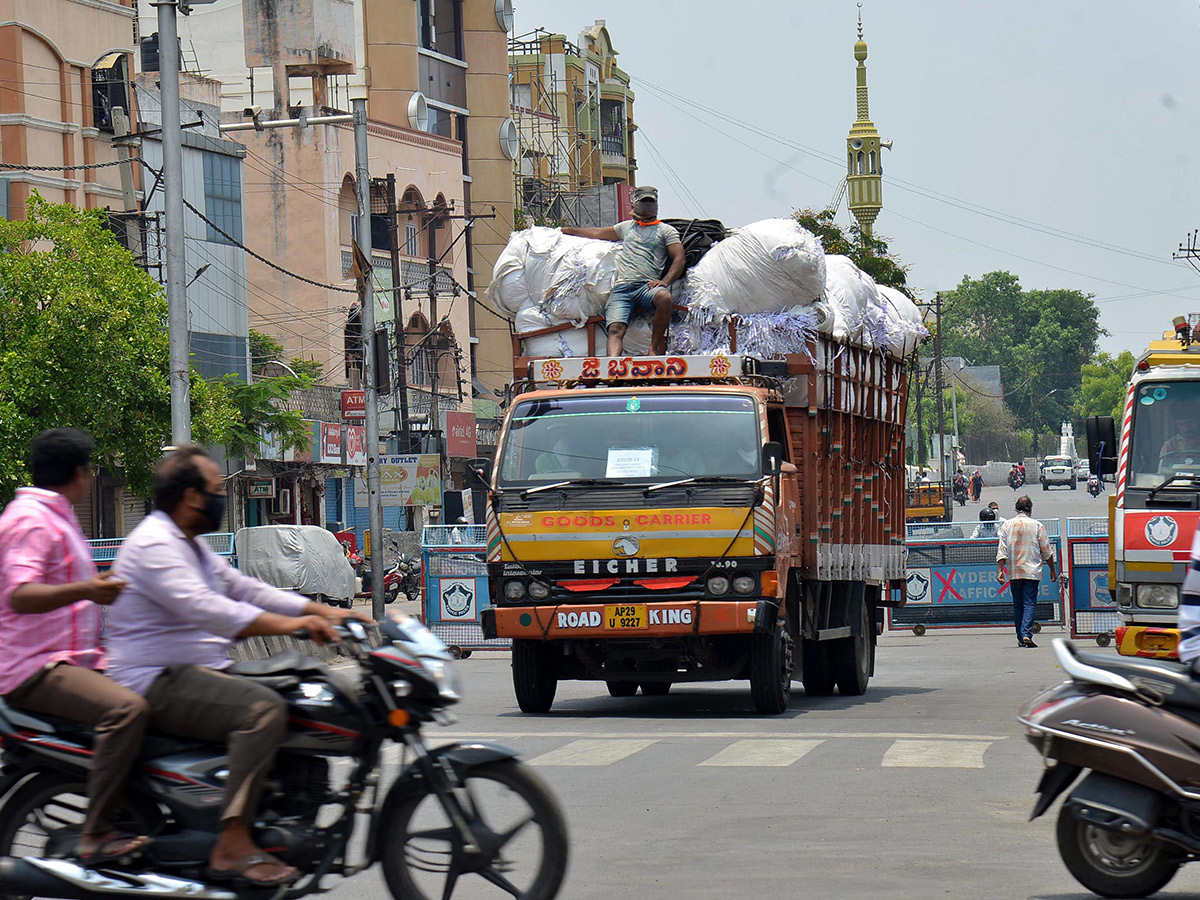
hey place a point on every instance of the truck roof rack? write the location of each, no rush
(715, 368)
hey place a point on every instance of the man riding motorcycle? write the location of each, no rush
(1094, 485)
(168, 638)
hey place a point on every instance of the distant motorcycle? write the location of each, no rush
(960, 494)
(1014, 480)
(1094, 487)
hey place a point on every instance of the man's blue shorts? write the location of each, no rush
(625, 298)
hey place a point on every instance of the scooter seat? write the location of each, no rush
(1171, 680)
(286, 663)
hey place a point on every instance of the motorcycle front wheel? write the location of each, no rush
(1113, 864)
(515, 821)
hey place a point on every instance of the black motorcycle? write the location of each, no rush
(459, 816)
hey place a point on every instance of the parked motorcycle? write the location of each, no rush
(403, 576)
(455, 814)
(1093, 486)
(1134, 725)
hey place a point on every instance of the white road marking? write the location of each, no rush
(590, 753)
(502, 736)
(907, 754)
(761, 753)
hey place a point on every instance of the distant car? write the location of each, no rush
(1058, 470)
(1083, 469)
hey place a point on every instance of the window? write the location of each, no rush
(223, 196)
(109, 90)
(441, 26)
(410, 239)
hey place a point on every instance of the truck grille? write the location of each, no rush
(629, 498)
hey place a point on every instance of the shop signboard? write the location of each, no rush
(411, 480)
(331, 443)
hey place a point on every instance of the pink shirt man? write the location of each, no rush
(41, 541)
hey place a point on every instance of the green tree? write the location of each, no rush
(83, 342)
(264, 349)
(867, 252)
(1104, 381)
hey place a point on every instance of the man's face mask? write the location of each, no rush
(646, 209)
(214, 510)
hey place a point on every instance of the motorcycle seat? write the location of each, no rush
(289, 662)
(154, 744)
(1172, 680)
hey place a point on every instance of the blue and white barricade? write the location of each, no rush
(454, 564)
(952, 581)
(104, 550)
(1093, 607)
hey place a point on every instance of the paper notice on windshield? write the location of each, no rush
(637, 462)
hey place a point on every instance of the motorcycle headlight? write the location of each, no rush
(539, 590)
(1158, 596)
(443, 676)
(718, 585)
(744, 584)
(514, 590)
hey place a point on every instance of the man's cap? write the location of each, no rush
(643, 193)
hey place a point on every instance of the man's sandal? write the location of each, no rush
(238, 871)
(123, 846)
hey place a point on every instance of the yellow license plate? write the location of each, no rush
(621, 617)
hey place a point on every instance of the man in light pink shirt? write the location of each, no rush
(50, 596)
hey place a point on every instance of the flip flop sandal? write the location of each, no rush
(131, 845)
(238, 871)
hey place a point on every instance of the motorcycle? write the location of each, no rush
(960, 493)
(456, 814)
(1093, 486)
(1134, 725)
(402, 577)
(1015, 480)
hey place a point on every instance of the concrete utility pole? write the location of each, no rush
(133, 226)
(941, 413)
(362, 177)
(398, 316)
(172, 147)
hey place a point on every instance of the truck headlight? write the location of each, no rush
(744, 584)
(718, 585)
(514, 590)
(1158, 596)
(538, 590)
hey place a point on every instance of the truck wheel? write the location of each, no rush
(771, 665)
(814, 669)
(656, 688)
(851, 658)
(622, 688)
(535, 678)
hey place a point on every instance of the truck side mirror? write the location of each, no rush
(772, 458)
(1102, 444)
(479, 473)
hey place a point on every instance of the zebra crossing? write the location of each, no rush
(740, 750)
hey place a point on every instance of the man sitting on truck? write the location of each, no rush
(639, 282)
(1186, 438)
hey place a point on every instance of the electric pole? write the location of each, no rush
(133, 225)
(941, 414)
(398, 316)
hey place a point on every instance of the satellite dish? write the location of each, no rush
(856, 143)
(504, 14)
(509, 140)
(418, 112)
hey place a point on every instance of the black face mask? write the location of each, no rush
(214, 509)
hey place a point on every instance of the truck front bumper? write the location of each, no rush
(1145, 640)
(626, 621)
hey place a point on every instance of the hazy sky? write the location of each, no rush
(1054, 139)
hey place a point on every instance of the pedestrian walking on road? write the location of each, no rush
(1024, 546)
(976, 486)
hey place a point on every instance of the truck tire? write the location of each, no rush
(771, 666)
(852, 657)
(621, 688)
(535, 678)
(815, 669)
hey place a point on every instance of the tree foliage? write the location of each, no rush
(83, 343)
(868, 252)
(1040, 339)
(264, 349)
(1104, 381)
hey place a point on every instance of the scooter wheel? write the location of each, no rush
(1104, 640)
(1112, 864)
(918, 629)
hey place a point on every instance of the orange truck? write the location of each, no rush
(661, 520)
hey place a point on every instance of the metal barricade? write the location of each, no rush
(104, 550)
(454, 563)
(1093, 608)
(952, 581)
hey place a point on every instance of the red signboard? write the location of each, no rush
(356, 445)
(354, 404)
(460, 435)
(331, 442)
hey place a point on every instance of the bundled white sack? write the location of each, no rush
(853, 300)
(566, 342)
(767, 266)
(902, 322)
(568, 277)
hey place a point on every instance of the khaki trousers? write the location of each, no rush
(250, 719)
(116, 714)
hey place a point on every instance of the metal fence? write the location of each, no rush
(104, 550)
(1093, 608)
(454, 560)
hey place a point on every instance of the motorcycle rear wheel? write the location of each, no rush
(1112, 864)
(44, 817)
(423, 857)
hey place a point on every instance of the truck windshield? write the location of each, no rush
(1166, 433)
(631, 437)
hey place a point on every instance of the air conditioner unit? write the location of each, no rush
(283, 501)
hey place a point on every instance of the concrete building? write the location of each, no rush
(63, 65)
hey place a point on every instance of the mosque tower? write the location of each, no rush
(864, 167)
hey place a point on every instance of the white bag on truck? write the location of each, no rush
(567, 342)
(568, 277)
(903, 325)
(853, 299)
(768, 266)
